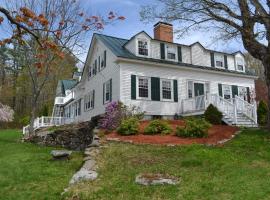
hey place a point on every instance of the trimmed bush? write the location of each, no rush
(197, 128)
(262, 113)
(213, 115)
(129, 126)
(157, 127)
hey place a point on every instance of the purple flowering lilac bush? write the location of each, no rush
(115, 112)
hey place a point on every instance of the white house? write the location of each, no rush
(162, 78)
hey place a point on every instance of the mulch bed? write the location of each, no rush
(216, 134)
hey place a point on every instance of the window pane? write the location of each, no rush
(171, 52)
(143, 48)
(227, 91)
(166, 89)
(190, 89)
(143, 87)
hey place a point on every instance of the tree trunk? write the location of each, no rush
(266, 64)
(33, 114)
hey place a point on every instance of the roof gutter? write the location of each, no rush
(119, 59)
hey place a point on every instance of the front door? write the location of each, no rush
(199, 98)
(198, 89)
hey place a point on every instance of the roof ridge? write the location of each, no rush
(110, 36)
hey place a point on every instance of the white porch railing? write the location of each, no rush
(194, 104)
(64, 100)
(232, 108)
(248, 109)
(42, 122)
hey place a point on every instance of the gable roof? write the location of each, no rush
(66, 85)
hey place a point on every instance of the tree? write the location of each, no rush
(46, 31)
(6, 113)
(248, 20)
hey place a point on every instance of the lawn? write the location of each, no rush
(238, 170)
(27, 171)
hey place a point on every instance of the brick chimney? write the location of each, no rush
(163, 31)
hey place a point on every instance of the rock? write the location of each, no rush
(87, 158)
(113, 139)
(95, 143)
(92, 152)
(72, 136)
(96, 137)
(156, 179)
(83, 175)
(60, 154)
(89, 164)
(96, 131)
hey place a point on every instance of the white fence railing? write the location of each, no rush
(42, 122)
(248, 109)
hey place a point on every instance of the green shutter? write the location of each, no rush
(110, 90)
(105, 57)
(248, 94)
(220, 89)
(95, 66)
(99, 63)
(103, 93)
(179, 51)
(225, 62)
(133, 87)
(175, 90)
(93, 98)
(162, 50)
(212, 59)
(155, 89)
(234, 90)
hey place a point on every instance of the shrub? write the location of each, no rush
(129, 126)
(194, 128)
(115, 112)
(158, 126)
(213, 115)
(262, 112)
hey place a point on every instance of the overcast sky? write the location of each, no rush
(132, 25)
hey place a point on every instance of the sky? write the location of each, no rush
(132, 25)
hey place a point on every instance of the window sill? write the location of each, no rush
(171, 101)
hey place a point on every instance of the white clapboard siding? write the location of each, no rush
(170, 108)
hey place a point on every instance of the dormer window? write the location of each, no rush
(240, 64)
(143, 47)
(171, 52)
(219, 61)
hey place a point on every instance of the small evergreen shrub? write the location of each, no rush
(194, 127)
(213, 115)
(129, 126)
(156, 127)
(262, 112)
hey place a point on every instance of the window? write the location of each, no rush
(143, 87)
(107, 91)
(166, 89)
(143, 47)
(219, 60)
(171, 52)
(242, 93)
(240, 64)
(89, 101)
(190, 89)
(227, 91)
(90, 71)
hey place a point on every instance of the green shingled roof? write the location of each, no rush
(67, 85)
(116, 45)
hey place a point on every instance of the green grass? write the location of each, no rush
(27, 171)
(238, 170)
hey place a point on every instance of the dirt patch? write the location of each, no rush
(215, 134)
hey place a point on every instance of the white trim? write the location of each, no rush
(223, 60)
(166, 52)
(223, 90)
(161, 91)
(149, 88)
(105, 88)
(148, 47)
(150, 63)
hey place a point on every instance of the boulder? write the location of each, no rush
(156, 179)
(60, 154)
(73, 136)
(83, 175)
